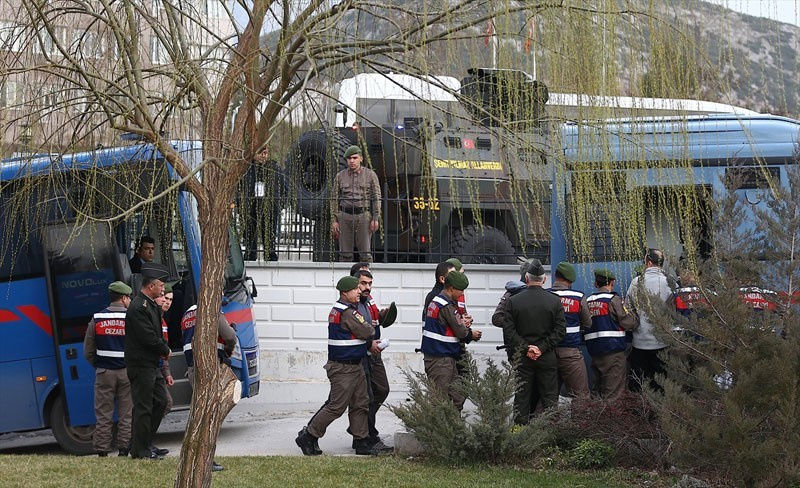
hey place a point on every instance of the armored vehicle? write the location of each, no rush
(462, 165)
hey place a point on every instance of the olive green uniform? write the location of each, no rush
(348, 385)
(356, 202)
(144, 344)
(535, 317)
(443, 371)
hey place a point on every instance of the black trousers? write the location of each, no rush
(149, 403)
(645, 364)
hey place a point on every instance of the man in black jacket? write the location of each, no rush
(534, 323)
(144, 345)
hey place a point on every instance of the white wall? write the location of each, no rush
(294, 299)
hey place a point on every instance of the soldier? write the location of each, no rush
(571, 365)
(226, 343)
(144, 346)
(512, 288)
(104, 348)
(442, 335)
(348, 335)
(356, 211)
(534, 321)
(645, 362)
(605, 339)
(377, 381)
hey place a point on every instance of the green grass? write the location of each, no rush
(326, 471)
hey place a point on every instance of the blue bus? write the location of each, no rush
(63, 241)
(622, 186)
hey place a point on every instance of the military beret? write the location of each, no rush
(456, 263)
(391, 315)
(351, 151)
(167, 288)
(605, 273)
(347, 283)
(566, 270)
(156, 271)
(457, 280)
(535, 268)
(120, 288)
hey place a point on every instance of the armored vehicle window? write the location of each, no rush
(375, 112)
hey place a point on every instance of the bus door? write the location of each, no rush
(81, 262)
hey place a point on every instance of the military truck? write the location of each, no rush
(463, 165)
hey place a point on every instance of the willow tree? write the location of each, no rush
(173, 69)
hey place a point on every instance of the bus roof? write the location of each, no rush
(704, 137)
(41, 164)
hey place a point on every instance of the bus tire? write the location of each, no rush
(74, 440)
(312, 165)
(482, 245)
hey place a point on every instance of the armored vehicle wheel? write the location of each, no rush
(482, 245)
(312, 164)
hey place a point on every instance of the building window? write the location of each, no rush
(11, 37)
(8, 94)
(158, 53)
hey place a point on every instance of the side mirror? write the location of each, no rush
(340, 109)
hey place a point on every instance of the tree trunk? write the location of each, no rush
(212, 398)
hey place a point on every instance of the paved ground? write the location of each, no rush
(253, 428)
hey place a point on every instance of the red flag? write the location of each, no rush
(489, 32)
(529, 39)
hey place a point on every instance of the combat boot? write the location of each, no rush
(364, 448)
(306, 442)
(317, 450)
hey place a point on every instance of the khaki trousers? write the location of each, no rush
(443, 371)
(572, 370)
(354, 230)
(610, 375)
(348, 392)
(111, 385)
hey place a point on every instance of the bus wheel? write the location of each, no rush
(482, 245)
(74, 440)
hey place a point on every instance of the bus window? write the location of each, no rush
(20, 249)
(81, 261)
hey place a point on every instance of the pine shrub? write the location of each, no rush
(485, 434)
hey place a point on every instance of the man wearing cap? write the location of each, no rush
(377, 381)
(104, 348)
(605, 339)
(349, 336)
(356, 207)
(571, 366)
(645, 363)
(144, 346)
(534, 322)
(442, 335)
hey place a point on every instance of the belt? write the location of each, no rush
(347, 361)
(353, 210)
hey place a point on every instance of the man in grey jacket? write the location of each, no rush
(652, 284)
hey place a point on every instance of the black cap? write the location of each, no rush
(535, 268)
(156, 271)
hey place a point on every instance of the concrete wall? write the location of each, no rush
(294, 299)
